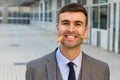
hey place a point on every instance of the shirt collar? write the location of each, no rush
(77, 61)
(61, 59)
(64, 61)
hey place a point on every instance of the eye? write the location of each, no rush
(78, 24)
(65, 23)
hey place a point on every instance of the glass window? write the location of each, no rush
(100, 17)
(1, 10)
(41, 11)
(50, 4)
(99, 1)
(83, 2)
(34, 13)
(37, 13)
(41, 7)
(67, 1)
(31, 13)
(45, 16)
(18, 13)
(45, 11)
(103, 17)
(50, 16)
(95, 17)
(45, 5)
(0, 21)
(41, 16)
(25, 9)
(50, 10)
(13, 11)
(59, 4)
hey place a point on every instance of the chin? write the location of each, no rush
(71, 46)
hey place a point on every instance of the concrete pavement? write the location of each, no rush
(22, 43)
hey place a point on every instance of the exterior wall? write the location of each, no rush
(107, 38)
(14, 14)
(10, 1)
(16, 17)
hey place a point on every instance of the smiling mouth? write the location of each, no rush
(71, 37)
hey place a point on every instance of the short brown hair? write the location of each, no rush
(73, 7)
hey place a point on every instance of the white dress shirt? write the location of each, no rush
(64, 69)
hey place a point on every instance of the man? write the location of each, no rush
(71, 29)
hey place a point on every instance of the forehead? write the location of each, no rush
(72, 16)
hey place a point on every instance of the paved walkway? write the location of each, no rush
(22, 43)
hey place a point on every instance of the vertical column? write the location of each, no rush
(89, 23)
(89, 11)
(117, 28)
(119, 32)
(111, 26)
(5, 13)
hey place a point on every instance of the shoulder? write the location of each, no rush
(40, 62)
(94, 62)
(100, 68)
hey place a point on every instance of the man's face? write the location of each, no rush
(72, 25)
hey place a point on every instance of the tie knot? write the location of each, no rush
(70, 64)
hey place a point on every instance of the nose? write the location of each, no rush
(71, 28)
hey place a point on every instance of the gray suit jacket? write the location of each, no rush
(46, 68)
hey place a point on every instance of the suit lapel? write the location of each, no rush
(59, 76)
(84, 75)
(53, 71)
(51, 67)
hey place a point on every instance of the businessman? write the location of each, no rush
(68, 61)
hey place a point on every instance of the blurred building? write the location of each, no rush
(15, 11)
(104, 17)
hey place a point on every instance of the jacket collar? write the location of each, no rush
(53, 69)
(84, 75)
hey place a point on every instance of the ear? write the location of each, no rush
(86, 31)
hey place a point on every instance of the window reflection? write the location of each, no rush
(67, 1)
(45, 14)
(1, 10)
(99, 1)
(59, 4)
(95, 17)
(50, 10)
(18, 14)
(82, 2)
(103, 17)
(100, 17)
(41, 11)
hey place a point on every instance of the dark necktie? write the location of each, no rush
(71, 71)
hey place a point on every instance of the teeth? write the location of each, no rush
(70, 36)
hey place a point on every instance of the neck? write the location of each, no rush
(70, 53)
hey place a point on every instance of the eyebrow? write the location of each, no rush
(77, 21)
(64, 21)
